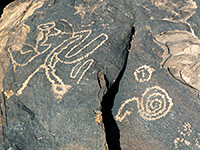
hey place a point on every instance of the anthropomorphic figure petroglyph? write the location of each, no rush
(73, 48)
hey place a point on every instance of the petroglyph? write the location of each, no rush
(75, 48)
(154, 104)
(120, 115)
(143, 73)
(73, 75)
(8, 23)
(187, 137)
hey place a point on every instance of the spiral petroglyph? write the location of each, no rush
(154, 104)
(143, 73)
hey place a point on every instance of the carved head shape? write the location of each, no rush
(54, 32)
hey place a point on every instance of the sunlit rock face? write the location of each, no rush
(100, 74)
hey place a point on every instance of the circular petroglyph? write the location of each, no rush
(143, 73)
(154, 104)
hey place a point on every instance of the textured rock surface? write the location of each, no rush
(65, 63)
(158, 108)
(51, 90)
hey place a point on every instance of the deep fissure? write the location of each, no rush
(112, 131)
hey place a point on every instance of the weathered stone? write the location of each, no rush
(65, 63)
(51, 89)
(157, 106)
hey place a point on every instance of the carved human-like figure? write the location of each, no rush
(71, 48)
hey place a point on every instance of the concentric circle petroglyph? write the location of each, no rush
(154, 104)
(143, 73)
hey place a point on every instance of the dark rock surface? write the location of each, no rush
(93, 75)
(51, 90)
(155, 107)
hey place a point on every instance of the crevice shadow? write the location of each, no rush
(3, 4)
(110, 126)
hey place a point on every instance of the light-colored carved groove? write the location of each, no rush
(146, 73)
(77, 54)
(154, 104)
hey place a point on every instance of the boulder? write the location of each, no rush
(100, 74)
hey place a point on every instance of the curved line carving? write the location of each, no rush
(143, 73)
(154, 104)
(76, 48)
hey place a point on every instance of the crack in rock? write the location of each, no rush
(108, 94)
